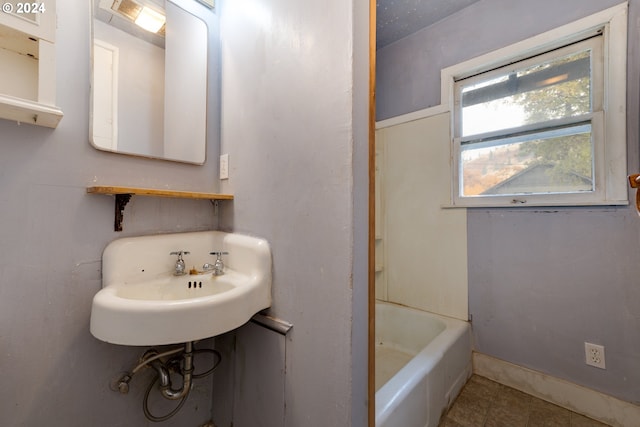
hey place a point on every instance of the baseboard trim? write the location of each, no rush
(593, 404)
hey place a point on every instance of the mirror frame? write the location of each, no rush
(198, 11)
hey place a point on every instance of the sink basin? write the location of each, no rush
(143, 303)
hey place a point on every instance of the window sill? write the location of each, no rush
(533, 204)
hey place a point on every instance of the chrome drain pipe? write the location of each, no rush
(164, 376)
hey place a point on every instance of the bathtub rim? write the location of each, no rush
(398, 387)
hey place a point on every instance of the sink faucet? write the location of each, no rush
(218, 266)
(180, 269)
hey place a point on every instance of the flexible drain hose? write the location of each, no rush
(146, 361)
(145, 404)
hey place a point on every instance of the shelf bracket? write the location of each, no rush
(121, 202)
(123, 195)
(634, 182)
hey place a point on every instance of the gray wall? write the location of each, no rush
(294, 125)
(53, 371)
(541, 282)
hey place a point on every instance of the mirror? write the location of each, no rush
(149, 89)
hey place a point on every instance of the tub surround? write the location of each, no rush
(424, 247)
(421, 264)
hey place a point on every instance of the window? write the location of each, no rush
(528, 128)
(546, 126)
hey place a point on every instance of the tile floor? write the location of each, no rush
(485, 403)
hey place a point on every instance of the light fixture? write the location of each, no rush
(150, 20)
(553, 80)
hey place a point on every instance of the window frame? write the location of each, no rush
(608, 122)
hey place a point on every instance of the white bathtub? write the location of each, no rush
(422, 362)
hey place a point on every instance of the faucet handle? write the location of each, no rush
(218, 267)
(218, 253)
(179, 267)
(179, 253)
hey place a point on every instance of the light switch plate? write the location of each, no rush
(224, 166)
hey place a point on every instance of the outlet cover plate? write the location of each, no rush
(594, 355)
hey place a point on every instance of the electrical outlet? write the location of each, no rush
(594, 355)
(224, 166)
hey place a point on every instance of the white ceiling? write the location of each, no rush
(399, 18)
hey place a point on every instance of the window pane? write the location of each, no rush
(555, 89)
(551, 161)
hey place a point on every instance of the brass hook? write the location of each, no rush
(634, 182)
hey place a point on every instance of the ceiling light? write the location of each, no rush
(150, 20)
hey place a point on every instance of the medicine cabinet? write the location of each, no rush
(27, 55)
(149, 84)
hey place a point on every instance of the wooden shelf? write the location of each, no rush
(177, 194)
(123, 195)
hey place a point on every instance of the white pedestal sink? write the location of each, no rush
(143, 303)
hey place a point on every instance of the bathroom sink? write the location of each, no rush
(143, 302)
